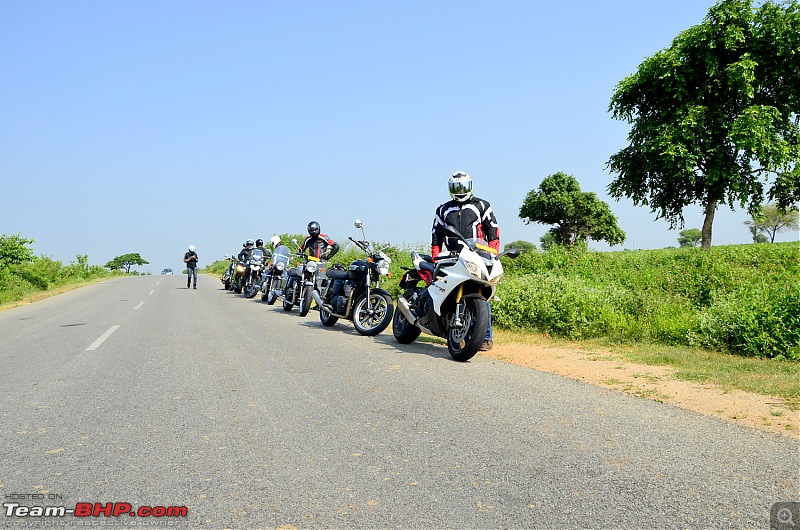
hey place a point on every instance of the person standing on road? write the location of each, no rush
(190, 259)
(474, 218)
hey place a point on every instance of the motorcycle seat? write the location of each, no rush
(337, 274)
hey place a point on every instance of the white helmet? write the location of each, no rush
(460, 184)
(191, 248)
(275, 240)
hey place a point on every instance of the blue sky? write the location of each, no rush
(145, 126)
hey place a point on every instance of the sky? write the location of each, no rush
(146, 126)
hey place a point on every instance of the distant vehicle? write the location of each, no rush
(166, 271)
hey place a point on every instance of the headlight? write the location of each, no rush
(473, 269)
(383, 267)
(280, 265)
(311, 267)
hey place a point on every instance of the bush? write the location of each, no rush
(741, 299)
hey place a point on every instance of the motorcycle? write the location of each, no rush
(300, 283)
(227, 276)
(240, 273)
(252, 276)
(275, 275)
(361, 299)
(455, 303)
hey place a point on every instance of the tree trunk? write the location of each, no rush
(711, 208)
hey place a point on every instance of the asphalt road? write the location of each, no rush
(139, 391)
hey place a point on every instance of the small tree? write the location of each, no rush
(577, 215)
(126, 261)
(690, 237)
(523, 246)
(14, 250)
(771, 220)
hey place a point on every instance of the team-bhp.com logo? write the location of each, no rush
(97, 509)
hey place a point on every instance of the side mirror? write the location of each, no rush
(511, 253)
(294, 240)
(358, 223)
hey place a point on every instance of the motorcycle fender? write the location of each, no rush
(441, 290)
(381, 291)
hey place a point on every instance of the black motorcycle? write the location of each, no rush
(301, 282)
(355, 294)
(252, 277)
(275, 274)
(227, 276)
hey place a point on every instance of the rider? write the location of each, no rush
(244, 257)
(190, 259)
(473, 217)
(317, 245)
(247, 250)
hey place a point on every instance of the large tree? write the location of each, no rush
(771, 220)
(126, 261)
(715, 116)
(577, 215)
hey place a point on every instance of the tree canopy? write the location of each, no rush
(523, 246)
(14, 250)
(715, 116)
(577, 215)
(690, 237)
(126, 261)
(771, 220)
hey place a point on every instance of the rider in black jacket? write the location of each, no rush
(474, 218)
(317, 244)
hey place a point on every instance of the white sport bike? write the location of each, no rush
(453, 301)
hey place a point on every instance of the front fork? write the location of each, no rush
(461, 307)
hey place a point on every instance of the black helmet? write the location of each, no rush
(259, 242)
(313, 229)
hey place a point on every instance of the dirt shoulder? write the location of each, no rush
(608, 370)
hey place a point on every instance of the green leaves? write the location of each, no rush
(577, 215)
(14, 250)
(714, 116)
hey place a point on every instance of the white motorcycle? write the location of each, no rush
(453, 302)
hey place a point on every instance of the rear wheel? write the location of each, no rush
(326, 317)
(373, 317)
(463, 342)
(404, 331)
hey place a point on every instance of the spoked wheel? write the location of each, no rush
(463, 342)
(372, 315)
(250, 290)
(404, 331)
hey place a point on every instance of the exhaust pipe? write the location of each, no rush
(404, 308)
(317, 298)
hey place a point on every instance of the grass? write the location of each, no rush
(41, 295)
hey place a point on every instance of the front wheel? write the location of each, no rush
(404, 331)
(463, 342)
(250, 290)
(305, 301)
(372, 315)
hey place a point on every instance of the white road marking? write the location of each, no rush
(158, 282)
(138, 306)
(151, 292)
(96, 344)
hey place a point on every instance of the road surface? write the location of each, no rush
(215, 411)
